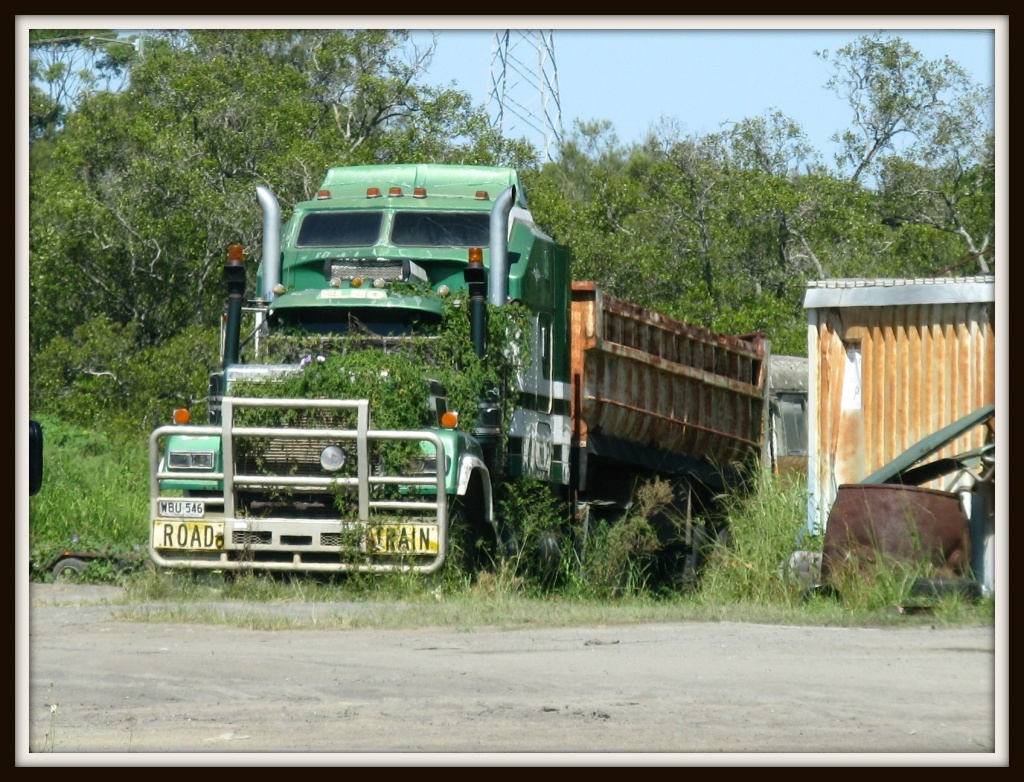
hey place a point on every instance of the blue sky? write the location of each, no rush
(698, 71)
(701, 78)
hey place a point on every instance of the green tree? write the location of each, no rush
(922, 129)
(148, 186)
(67, 65)
(955, 197)
(97, 376)
(772, 144)
(724, 229)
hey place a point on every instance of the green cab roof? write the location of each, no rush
(450, 181)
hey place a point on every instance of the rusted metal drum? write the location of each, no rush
(903, 523)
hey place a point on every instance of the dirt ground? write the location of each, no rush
(221, 695)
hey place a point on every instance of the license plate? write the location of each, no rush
(183, 509)
(398, 539)
(188, 535)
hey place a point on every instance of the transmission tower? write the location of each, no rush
(524, 87)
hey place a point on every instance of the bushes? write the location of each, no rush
(95, 498)
(100, 376)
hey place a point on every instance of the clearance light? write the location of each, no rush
(335, 282)
(357, 282)
(450, 419)
(476, 254)
(443, 290)
(279, 289)
(419, 192)
(394, 192)
(235, 253)
(181, 416)
(481, 195)
(373, 192)
(323, 195)
(379, 283)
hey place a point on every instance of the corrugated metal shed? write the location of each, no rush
(891, 362)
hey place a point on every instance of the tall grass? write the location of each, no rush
(763, 528)
(94, 495)
(95, 498)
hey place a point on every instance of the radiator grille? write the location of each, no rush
(283, 457)
(382, 268)
(294, 456)
(250, 538)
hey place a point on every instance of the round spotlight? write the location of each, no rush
(332, 458)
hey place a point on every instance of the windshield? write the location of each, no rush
(340, 229)
(441, 229)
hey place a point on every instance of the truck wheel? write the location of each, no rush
(549, 553)
(705, 538)
(465, 544)
(942, 587)
(127, 568)
(68, 569)
(508, 544)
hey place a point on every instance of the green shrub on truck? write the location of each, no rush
(415, 342)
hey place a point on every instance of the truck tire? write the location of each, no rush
(549, 554)
(705, 538)
(508, 544)
(967, 589)
(470, 548)
(35, 457)
(68, 569)
(126, 568)
(465, 545)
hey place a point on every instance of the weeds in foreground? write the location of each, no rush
(48, 737)
(95, 488)
(763, 528)
(94, 498)
(620, 556)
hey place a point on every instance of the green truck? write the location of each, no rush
(581, 391)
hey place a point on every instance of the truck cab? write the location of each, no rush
(374, 262)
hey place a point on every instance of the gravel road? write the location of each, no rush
(97, 684)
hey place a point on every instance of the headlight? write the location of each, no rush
(426, 465)
(332, 458)
(190, 460)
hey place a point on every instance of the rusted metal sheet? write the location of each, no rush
(644, 378)
(873, 522)
(891, 362)
(790, 467)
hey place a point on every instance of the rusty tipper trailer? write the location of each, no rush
(659, 396)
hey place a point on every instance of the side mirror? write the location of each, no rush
(35, 457)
